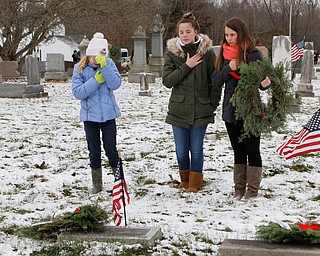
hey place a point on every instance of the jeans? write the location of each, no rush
(189, 140)
(248, 150)
(109, 134)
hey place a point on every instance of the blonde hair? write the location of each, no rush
(82, 63)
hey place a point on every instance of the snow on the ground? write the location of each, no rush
(46, 132)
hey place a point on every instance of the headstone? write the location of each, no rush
(144, 85)
(124, 235)
(33, 88)
(55, 67)
(305, 88)
(237, 247)
(281, 54)
(156, 61)
(139, 58)
(310, 46)
(9, 69)
(32, 70)
(216, 49)
(281, 51)
(264, 50)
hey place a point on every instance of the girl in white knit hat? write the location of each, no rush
(94, 79)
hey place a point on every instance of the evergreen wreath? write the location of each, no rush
(299, 233)
(87, 218)
(259, 117)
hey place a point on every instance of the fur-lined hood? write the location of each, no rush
(174, 46)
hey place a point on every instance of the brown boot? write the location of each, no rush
(195, 182)
(96, 180)
(240, 180)
(184, 176)
(253, 178)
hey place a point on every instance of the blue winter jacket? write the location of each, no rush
(98, 103)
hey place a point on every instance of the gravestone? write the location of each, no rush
(9, 69)
(144, 85)
(305, 88)
(139, 59)
(156, 61)
(216, 49)
(310, 46)
(281, 52)
(264, 51)
(55, 67)
(124, 235)
(33, 88)
(237, 247)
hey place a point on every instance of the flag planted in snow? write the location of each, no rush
(120, 195)
(305, 141)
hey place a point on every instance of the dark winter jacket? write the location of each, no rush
(224, 77)
(189, 102)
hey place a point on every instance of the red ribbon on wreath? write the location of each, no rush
(306, 226)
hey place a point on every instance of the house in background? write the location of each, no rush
(57, 44)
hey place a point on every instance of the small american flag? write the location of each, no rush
(120, 195)
(297, 51)
(307, 140)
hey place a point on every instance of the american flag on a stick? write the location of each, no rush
(307, 140)
(120, 195)
(297, 51)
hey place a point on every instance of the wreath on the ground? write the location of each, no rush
(283, 233)
(259, 117)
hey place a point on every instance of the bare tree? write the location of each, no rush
(26, 23)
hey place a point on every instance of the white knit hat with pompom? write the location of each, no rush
(98, 45)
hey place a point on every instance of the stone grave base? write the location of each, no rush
(145, 93)
(234, 247)
(55, 75)
(128, 235)
(22, 91)
(305, 90)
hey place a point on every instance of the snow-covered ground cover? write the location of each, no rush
(44, 172)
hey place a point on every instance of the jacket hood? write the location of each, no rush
(174, 46)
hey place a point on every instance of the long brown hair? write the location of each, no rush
(188, 17)
(245, 43)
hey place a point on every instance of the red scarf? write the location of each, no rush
(230, 52)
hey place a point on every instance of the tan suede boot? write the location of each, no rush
(184, 176)
(96, 180)
(195, 182)
(254, 174)
(240, 180)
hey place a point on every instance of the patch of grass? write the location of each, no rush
(135, 251)
(272, 172)
(141, 193)
(301, 168)
(317, 198)
(65, 248)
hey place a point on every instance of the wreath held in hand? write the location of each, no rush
(260, 117)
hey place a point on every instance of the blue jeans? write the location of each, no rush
(189, 141)
(109, 133)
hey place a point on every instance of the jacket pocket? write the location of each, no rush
(176, 105)
(205, 107)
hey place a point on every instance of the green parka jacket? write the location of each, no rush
(190, 101)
